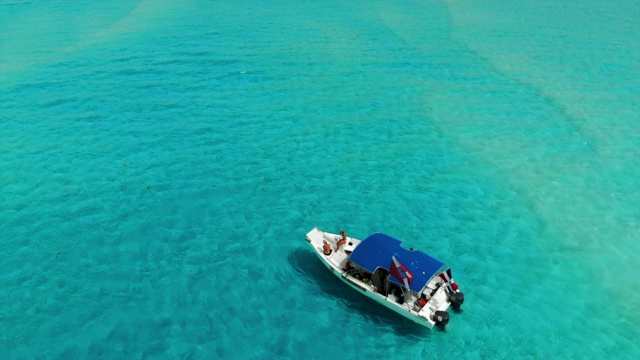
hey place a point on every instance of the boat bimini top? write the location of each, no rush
(379, 250)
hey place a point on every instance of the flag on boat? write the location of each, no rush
(400, 272)
(448, 279)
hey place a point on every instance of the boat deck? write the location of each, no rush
(338, 257)
(337, 262)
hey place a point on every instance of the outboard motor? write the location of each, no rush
(456, 299)
(441, 319)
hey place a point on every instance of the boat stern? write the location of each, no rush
(435, 310)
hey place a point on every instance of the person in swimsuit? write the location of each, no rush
(341, 241)
(326, 248)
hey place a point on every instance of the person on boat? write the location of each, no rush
(342, 241)
(326, 247)
(423, 300)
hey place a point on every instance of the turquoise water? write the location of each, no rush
(161, 162)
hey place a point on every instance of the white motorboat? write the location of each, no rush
(407, 281)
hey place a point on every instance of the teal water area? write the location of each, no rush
(161, 162)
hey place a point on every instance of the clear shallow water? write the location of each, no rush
(161, 164)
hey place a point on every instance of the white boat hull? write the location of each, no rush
(336, 262)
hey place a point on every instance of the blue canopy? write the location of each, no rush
(376, 251)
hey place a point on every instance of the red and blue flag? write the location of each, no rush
(400, 272)
(448, 279)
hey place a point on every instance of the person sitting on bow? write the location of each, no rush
(342, 241)
(326, 248)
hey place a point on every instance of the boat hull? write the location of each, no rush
(337, 261)
(369, 292)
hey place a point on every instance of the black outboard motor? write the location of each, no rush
(441, 319)
(456, 299)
